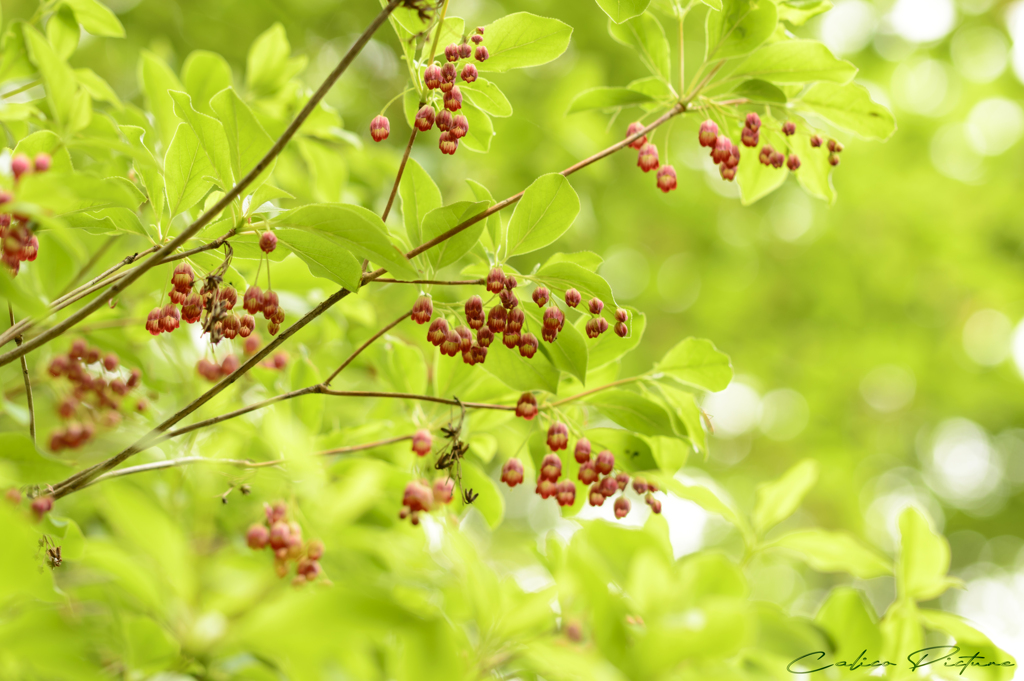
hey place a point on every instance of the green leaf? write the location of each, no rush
(440, 220)
(481, 130)
(815, 172)
(965, 635)
(451, 32)
(633, 412)
(569, 350)
(486, 96)
(494, 227)
(149, 168)
(212, 137)
(633, 453)
(247, 141)
(850, 622)
(96, 18)
(14, 61)
(49, 142)
(623, 10)
(588, 260)
(848, 107)
(739, 28)
(324, 256)
(269, 66)
(66, 192)
(186, 171)
(58, 78)
(522, 39)
(760, 91)
(204, 75)
(901, 630)
(62, 31)
(97, 88)
(798, 12)
(795, 61)
(156, 79)
(645, 35)
(605, 98)
(420, 195)
(548, 208)
(354, 228)
(777, 500)
(924, 559)
(834, 552)
(697, 362)
(490, 503)
(518, 372)
(713, 4)
(706, 499)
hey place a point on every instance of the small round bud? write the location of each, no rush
(708, 133)
(621, 330)
(596, 326)
(565, 493)
(447, 143)
(605, 462)
(789, 128)
(833, 159)
(465, 51)
(477, 39)
(816, 141)
(432, 77)
(497, 319)
(526, 407)
(551, 468)
(558, 436)
(422, 310)
(481, 53)
(528, 345)
(622, 506)
(41, 506)
(42, 162)
(110, 361)
(425, 118)
(647, 159)
(572, 297)
(453, 99)
(634, 128)
(622, 479)
(582, 450)
(749, 137)
(666, 179)
(541, 296)
(268, 240)
(451, 53)
(257, 537)
(596, 305)
(512, 472)
(380, 128)
(753, 121)
(20, 165)
(460, 126)
(508, 299)
(422, 441)
(469, 73)
(793, 162)
(485, 337)
(834, 146)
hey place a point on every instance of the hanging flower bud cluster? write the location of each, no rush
(596, 473)
(647, 158)
(18, 243)
(40, 506)
(284, 539)
(507, 319)
(94, 396)
(422, 496)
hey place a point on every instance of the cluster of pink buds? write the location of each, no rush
(834, 148)
(98, 386)
(256, 301)
(647, 158)
(422, 496)
(17, 242)
(40, 506)
(213, 372)
(284, 538)
(724, 152)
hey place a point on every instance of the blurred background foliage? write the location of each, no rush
(878, 336)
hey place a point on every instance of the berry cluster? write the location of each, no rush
(17, 242)
(420, 496)
(453, 126)
(508, 319)
(597, 472)
(647, 158)
(285, 540)
(98, 384)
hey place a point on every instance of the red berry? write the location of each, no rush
(42, 162)
(432, 76)
(666, 180)
(447, 143)
(481, 53)
(512, 472)
(708, 133)
(582, 450)
(380, 128)
(469, 73)
(647, 160)
(558, 436)
(268, 240)
(621, 507)
(425, 118)
(551, 468)
(422, 441)
(572, 297)
(422, 310)
(451, 53)
(257, 537)
(526, 407)
(605, 462)
(793, 162)
(633, 129)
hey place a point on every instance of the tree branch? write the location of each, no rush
(28, 383)
(401, 169)
(174, 463)
(365, 345)
(368, 445)
(467, 282)
(216, 210)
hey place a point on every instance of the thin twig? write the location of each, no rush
(240, 412)
(219, 207)
(398, 177)
(28, 382)
(467, 282)
(404, 316)
(359, 448)
(174, 463)
(585, 393)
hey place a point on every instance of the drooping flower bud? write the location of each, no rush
(443, 488)
(42, 162)
(432, 76)
(594, 497)
(422, 441)
(541, 296)
(572, 297)
(182, 277)
(588, 472)
(495, 281)
(481, 53)
(511, 339)
(753, 121)
(246, 325)
(833, 159)
(639, 485)
(438, 331)
(596, 326)
(708, 133)
(418, 497)
(252, 301)
(749, 137)
(257, 537)
(546, 488)
(633, 129)
(229, 365)
(816, 140)
(621, 330)
(647, 159)
(170, 318)
(460, 126)
(528, 345)
(448, 73)
(20, 165)
(469, 73)
(793, 162)
(230, 326)
(380, 128)
(727, 172)
(268, 240)
(512, 472)
(582, 450)
(497, 319)
(722, 149)
(422, 310)
(655, 504)
(551, 468)
(508, 299)
(553, 318)
(605, 462)
(451, 53)
(666, 179)
(447, 143)
(777, 159)
(192, 308)
(465, 338)
(565, 493)
(622, 506)
(477, 39)
(229, 296)
(622, 479)
(270, 305)
(558, 436)
(453, 99)
(789, 128)
(424, 118)
(452, 344)
(485, 337)
(444, 120)
(608, 486)
(834, 146)
(465, 51)
(516, 319)
(526, 407)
